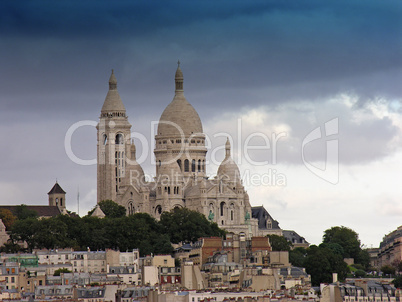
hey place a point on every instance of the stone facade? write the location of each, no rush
(180, 154)
(390, 251)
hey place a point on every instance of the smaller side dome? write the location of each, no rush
(228, 169)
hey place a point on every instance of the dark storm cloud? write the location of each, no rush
(87, 18)
(59, 54)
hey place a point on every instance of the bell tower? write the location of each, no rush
(114, 143)
(57, 196)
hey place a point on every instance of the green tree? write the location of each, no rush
(279, 243)
(318, 266)
(11, 248)
(93, 233)
(364, 259)
(184, 225)
(23, 212)
(111, 209)
(51, 233)
(297, 256)
(346, 238)
(388, 270)
(360, 273)
(24, 230)
(397, 282)
(7, 217)
(61, 270)
(137, 231)
(334, 247)
(321, 262)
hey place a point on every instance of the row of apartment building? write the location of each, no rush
(231, 262)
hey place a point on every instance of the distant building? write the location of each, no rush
(238, 248)
(390, 248)
(295, 239)
(56, 206)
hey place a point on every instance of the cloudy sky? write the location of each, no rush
(315, 85)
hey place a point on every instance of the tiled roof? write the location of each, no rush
(56, 189)
(42, 211)
(262, 215)
(293, 237)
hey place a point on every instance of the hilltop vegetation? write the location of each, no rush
(115, 231)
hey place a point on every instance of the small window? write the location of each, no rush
(119, 139)
(222, 208)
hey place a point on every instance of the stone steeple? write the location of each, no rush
(113, 105)
(114, 144)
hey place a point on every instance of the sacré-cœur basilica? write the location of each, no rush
(181, 180)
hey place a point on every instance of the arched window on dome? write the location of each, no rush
(186, 165)
(193, 165)
(199, 165)
(203, 165)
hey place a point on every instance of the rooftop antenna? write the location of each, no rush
(78, 200)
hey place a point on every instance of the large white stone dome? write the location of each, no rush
(179, 117)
